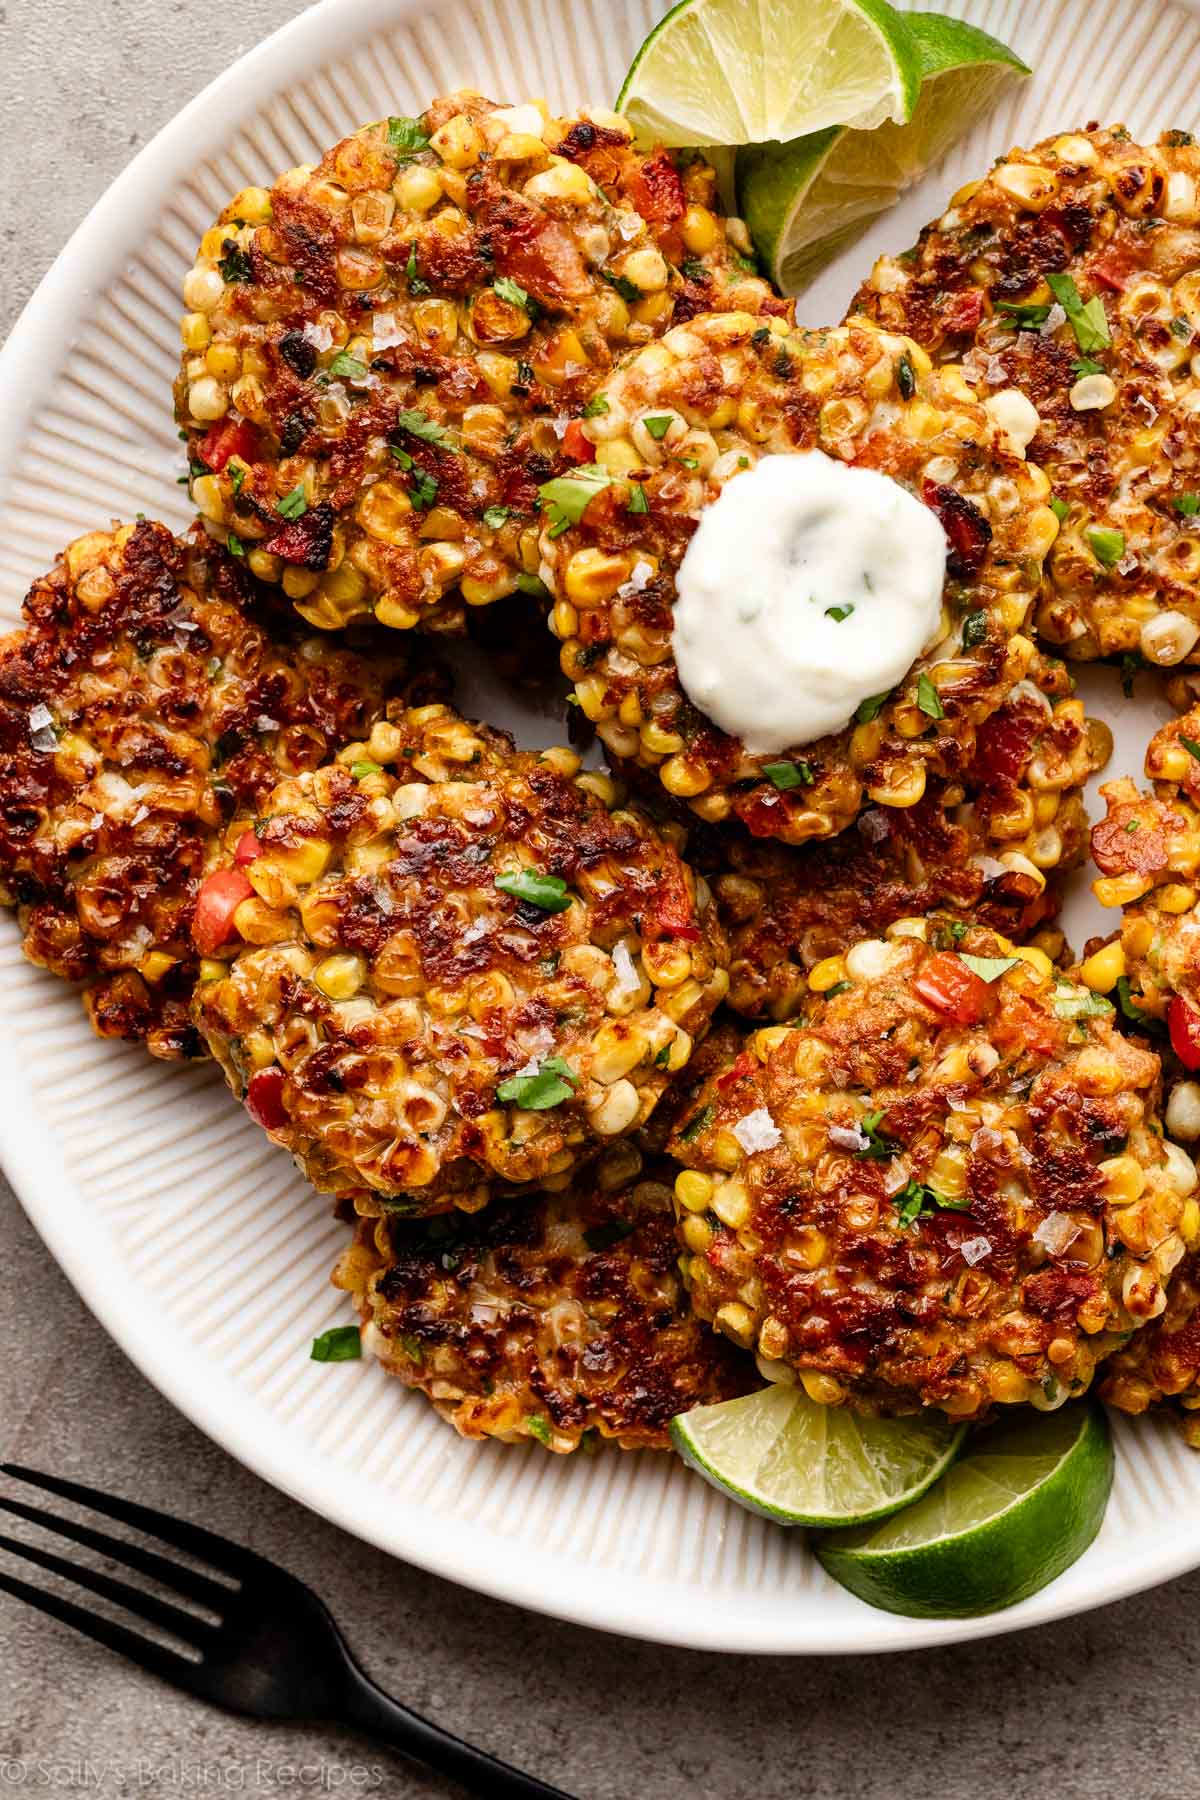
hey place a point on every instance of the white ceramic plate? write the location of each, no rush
(190, 1237)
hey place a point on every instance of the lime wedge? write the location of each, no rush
(1023, 1502)
(805, 200)
(742, 71)
(781, 1454)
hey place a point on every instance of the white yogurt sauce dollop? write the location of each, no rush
(808, 587)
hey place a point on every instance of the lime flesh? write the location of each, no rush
(1020, 1505)
(798, 1463)
(743, 71)
(806, 200)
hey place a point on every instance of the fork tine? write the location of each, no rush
(184, 1625)
(159, 1661)
(172, 1575)
(231, 1559)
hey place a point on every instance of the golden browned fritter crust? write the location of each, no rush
(548, 1316)
(441, 981)
(140, 707)
(988, 849)
(944, 1190)
(1119, 436)
(719, 392)
(1161, 1365)
(382, 353)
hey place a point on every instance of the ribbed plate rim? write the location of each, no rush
(561, 1586)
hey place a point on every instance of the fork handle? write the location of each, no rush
(376, 1714)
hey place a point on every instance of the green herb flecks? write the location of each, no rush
(906, 381)
(495, 516)
(1023, 315)
(293, 505)
(626, 289)
(1080, 1003)
(415, 284)
(505, 288)
(406, 138)
(658, 425)
(927, 698)
(697, 1123)
(537, 1090)
(349, 366)
(342, 1343)
(638, 502)
(596, 407)
(567, 497)
(1088, 321)
(871, 708)
(235, 263)
(548, 892)
(788, 775)
(1107, 544)
(419, 425)
(989, 968)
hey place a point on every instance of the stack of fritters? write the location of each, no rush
(490, 352)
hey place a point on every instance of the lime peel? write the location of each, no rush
(1021, 1504)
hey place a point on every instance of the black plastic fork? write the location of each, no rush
(272, 1649)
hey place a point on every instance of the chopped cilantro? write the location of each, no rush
(787, 775)
(1024, 315)
(927, 698)
(1080, 1003)
(549, 1085)
(1137, 1015)
(697, 1123)
(1088, 322)
(658, 425)
(974, 630)
(915, 1198)
(693, 269)
(237, 475)
(549, 892)
(989, 968)
(418, 425)
(879, 1146)
(505, 288)
(415, 284)
(1187, 504)
(293, 505)
(626, 289)
(235, 264)
(1107, 544)
(906, 381)
(494, 516)
(406, 138)
(1085, 366)
(566, 498)
(596, 407)
(341, 1343)
(871, 708)
(349, 366)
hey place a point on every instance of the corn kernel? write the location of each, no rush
(824, 1390)
(693, 1190)
(1121, 890)
(1104, 969)
(826, 974)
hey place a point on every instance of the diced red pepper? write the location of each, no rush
(248, 847)
(1183, 1023)
(1113, 269)
(219, 898)
(264, 1099)
(232, 437)
(947, 985)
(577, 445)
(737, 1071)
